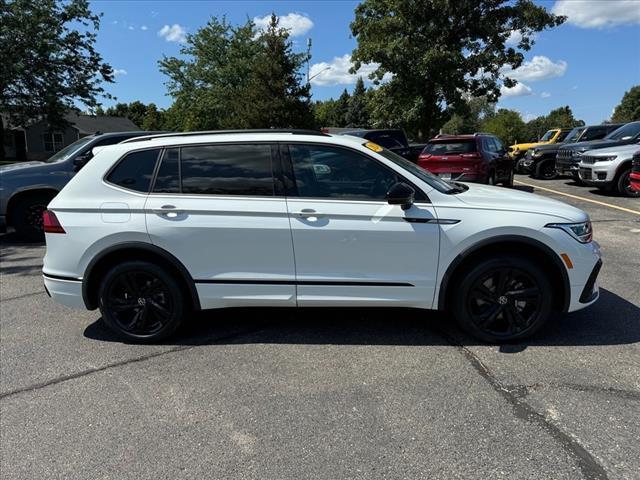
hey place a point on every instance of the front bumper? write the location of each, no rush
(567, 167)
(64, 291)
(587, 261)
(596, 174)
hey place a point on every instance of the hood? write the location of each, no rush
(527, 146)
(499, 198)
(20, 166)
(625, 149)
(595, 144)
(550, 147)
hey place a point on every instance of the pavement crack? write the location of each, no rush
(514, 395)
(17, 297)
(626, 394)
(110, 366)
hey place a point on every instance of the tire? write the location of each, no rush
(141, 302)
(27, 217)
(502, 299)
(576, 178)
(491, 178)
(546, 170)
(623, 184)
(509, 180)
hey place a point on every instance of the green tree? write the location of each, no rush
(342, 108)
(325, 113)
(358, 111)
(439, 50)
(49, 60)
(507, 125)
(274, 95)
(154, 118)
(469, 117)
(629, 108)
(561, 117)
(135, 111)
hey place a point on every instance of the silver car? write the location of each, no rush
(27, 187)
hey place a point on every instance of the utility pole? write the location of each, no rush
(308, 58)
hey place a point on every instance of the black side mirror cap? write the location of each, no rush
(401, 194)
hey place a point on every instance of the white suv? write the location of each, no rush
(155, 227)
(609, 169)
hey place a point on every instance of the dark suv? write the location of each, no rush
(480, 157)
(540, 161)
(27, 187)
(568, 156)
(393, 139)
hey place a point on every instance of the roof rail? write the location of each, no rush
(482, 133)
(225, 132)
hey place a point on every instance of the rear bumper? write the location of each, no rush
(65, 291)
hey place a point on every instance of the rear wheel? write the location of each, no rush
(623, 184)
(546, 170)
(508, 182)
(503, 299)
(141, 302)
(26, 217)
(491, 178)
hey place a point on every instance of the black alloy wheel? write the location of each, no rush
(624, 185)
(27, 217)
(546, 170)
(141, 302)
(503, 299)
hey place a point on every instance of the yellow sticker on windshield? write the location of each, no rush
(373, 146)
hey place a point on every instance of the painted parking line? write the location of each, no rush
(628, 210)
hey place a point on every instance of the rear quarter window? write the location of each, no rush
(134, 171)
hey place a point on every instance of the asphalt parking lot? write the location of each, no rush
(339, 393)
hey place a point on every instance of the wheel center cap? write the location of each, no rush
(142, 302)
(503, 300)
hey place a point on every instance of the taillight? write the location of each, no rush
(51, 223)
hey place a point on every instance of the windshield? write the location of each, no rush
(626, 132)
(69, 150)
(574, 134)
(548, 136)
(450, 147)
(430, 179)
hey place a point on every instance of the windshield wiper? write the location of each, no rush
(457, 188)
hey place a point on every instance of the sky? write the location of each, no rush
(587, 63)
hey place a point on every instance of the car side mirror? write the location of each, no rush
(80, 161)
(401, 194)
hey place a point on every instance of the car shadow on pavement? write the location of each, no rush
(611, 321)
(524, 188)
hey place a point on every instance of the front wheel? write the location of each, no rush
(27, 217)
(503, 299)
(546, 170)
(141, 302)
(508, 182)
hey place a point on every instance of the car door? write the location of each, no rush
(351, 247)
(217, 209)
(504, 163)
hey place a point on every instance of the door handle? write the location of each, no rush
(168, 210)
(307, 212)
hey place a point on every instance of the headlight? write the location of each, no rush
(582, 232)
(605, 159)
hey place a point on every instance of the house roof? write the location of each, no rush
(89, 124)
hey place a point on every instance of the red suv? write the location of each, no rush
(635, 172)
(480, 157)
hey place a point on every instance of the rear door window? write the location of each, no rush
(168, 176)
(134, 171)
(227, 170)
(450, 147)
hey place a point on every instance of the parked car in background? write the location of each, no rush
(393, 139)
(480, 157)
(173, 223)
(635, 172)
(609, 169)
(540, 161)
(27, 187)
(519, 150)
(568, 156)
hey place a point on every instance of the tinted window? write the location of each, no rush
(498, 144)
(168, 177)
(563, 135)
(227, 170)
(387, 139)
(450, 147)
(135, 170)
(489, 144)
(594, 134)
(626, 132)
(112, 140)
(328, 172)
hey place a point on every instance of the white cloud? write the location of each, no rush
(514, 38)
(130, 27)
(545, 95)
(336, 72)
(520, 90)
(598, 13)
(144, 27)
(539, 68)
(173, 33)
(119, 71)
(295, 23)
